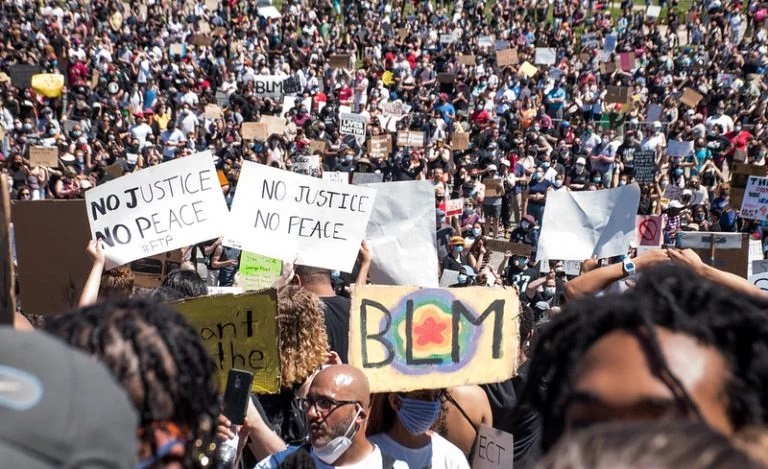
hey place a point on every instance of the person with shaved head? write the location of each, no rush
(337, 407)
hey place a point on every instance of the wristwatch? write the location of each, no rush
(628, 266)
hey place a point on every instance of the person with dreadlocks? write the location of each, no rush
(162, 363)
(690, 349)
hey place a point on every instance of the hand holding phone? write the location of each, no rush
(236, 395)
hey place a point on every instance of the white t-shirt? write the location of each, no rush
(372, 461)
(440, 454)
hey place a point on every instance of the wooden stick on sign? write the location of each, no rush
(7, 281)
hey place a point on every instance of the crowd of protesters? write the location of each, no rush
(140, 78)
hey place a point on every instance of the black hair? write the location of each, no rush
(186, 282)
(671, 297)
(158, 358)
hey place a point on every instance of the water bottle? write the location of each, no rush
(228, 453)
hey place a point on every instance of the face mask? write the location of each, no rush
(549, 292)
(699, 217)
(336, 447)
(545, 165)
(622, 183)
(335, 275)
(461, 278)
(442, 220)
(458, 249)
(678, 171)
(349, 158)
(538, 176)
(597, 180)
(525, 225)
(476, 231)
(417, 416)
(558, 183)
(522, 263)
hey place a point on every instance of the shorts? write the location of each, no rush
(492, 211)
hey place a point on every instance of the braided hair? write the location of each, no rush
(671, 297)
(160, 360)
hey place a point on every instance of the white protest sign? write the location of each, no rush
(401, 234)
(673, 192)
(366, 178)
(353, 124)
(213, 291)
(653, 11)
(759, 266)
(161, 208)
(579, 225)
(268, 86)
(454, 207)
(336, 177)
(680, 148)
(289, 216)
(760, 281)
(494, 449)
(754, 205)
(545, 56)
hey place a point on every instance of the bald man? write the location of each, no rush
(336, 408)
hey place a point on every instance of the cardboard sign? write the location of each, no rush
(318, 147)
(545, 56)
(680, 148)
(673, 192)
(200, 40)
(214, 291)
(644, 162)
(213, 111)
(254, 131)
(353, 124)
(606, 68)
(516, 249)
(648, 230)
(467, 60)
(336, 177)
(731, 250)
(494, 449)
(410, 138)
(52, 263)
(268, 86)
(21, 74)
(165, 207)
(460, 141)
(691, 97)
(340, 61)
(406, 338)
(454, 207)
(493, 187)
(755, 202)
(617, 94)
(115, 170)
(239, 331)
(605, 230)
(7, 278)
(528, 70)
(258, 272)
(739, 177)
(44, 156)
(288, 216)
(380, 146)
(275, 125)
(366, 178)
(150, 272)
(506, 57)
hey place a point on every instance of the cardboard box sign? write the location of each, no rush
(691, 97)
(517, 249)
(493, 187)
(460, 141)
(506, 57)
(731, 250)
(150, 272)
(44, 156)
(493, 449)
(340, 61)
(254, 131)
(467, 60)
(318, 147)
(380, 146)
(200, 40)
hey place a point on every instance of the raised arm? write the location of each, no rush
(90, 294)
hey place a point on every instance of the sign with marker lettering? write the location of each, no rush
(408, 338)
(239, 331)
(268, 86)
(165, 207)
(289, 216)
(257, 272)
(354, 125)
(755, 203)
(493, 449)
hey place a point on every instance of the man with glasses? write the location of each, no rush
(336, 407)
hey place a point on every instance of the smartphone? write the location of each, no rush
(236, 395)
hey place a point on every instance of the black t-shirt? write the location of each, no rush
(626, 154)
(337, 324)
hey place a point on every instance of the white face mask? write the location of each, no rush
(336, 447)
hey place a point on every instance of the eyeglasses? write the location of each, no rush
(323, 403)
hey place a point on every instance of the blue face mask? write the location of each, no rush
(417, 416)
(442, 220)
(476, 231)
(678, 171)
(597, 180)
(461, 278)
(335, 275)
(458, 248)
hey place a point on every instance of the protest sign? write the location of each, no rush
(308, 165)
(410, 138)
(545, 56)
(528, 70)
(449, 278)
(152, 271)
(726, 251)
(691, 97)
(289, 216)
(239, 331)
(177, 49)
(115, 170)
(49, 85)
(21, 74)
(755, 256)
(460, 141)
(610, 43)
(51, 260)
(516, 249)
(759, 266)
(467, 60)
(257, 272)
(366, 178)
(739, 176)
(760, 281)
(447, 39)
(401, 234)
(7, 278)
(213, 111)
(340, 61)
(454, 207)
(214, 291)
(160, 208)
(673, 192)
(353, 124)
(289, 102)
(336, 177)
(501, 44)
(406, 338)
(589, 41)
(680, 148)
(493, 449)
(617, 94)
(199, 40)
(291, 85)
(654, 113)
(645, 166)
(275, 124)
(627, 61)
(653, 11)
(446, 77)
(486, 41)
(221, 98)
(606, 68)
(268, 86)
(44, 156)
(579, 225)
(739, 156)
(754, 205)
(318, 147)
(254, 131)
(506, 57)
(493, 187)
(379, 146)
(648, 230)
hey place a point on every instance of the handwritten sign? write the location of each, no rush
(528, 70)
(755, 203)
(380, 146)
(44, 156)
(680, 148)
(289, 216)
(239, 332)
(545, 56)
(617, 94)
(454, 207)
(268, 86)
(336, 177)
(406, 338)
(21, 74)
(506, 57)
(645, 166)
(516, 249)
(691, 97)
(627, 61)
(258, 272)
(340, 61)
(739, 177)
(255, 131)
(648, 230)
(760, 281)
(493, 187)
(165, 207)
(410, 138)
(460, 141)
(494, 449)
(275, 124)
(354, 125)
(673, 192)
(467, 60)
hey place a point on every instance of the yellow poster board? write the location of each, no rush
(239, 331)
(409, 338)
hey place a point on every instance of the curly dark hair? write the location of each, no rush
(160, 360)
(671, 297)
